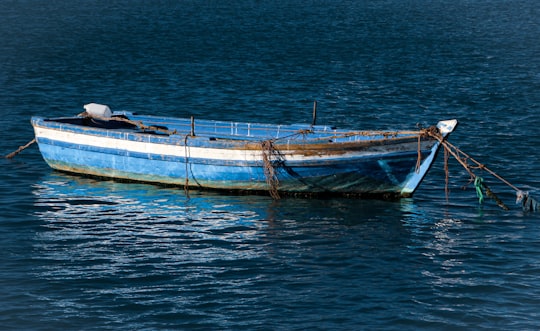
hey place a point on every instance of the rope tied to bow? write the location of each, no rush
(479, 183)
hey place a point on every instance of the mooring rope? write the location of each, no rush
(268, 151)
(478, 181)
(419, 153)
(20, 149)
(483, 167)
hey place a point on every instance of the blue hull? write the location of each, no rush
(230, 156)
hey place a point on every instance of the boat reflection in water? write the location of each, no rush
(88, 211)
(123, 247)
(121, 223)
(64, 198)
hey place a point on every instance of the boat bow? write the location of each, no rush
(444, 128)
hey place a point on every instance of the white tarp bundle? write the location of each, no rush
(95, 109)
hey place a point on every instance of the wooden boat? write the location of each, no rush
(299, 159)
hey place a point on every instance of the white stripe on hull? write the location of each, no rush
(178, 150)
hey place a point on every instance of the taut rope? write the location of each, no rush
(20, 149)
(479, 183)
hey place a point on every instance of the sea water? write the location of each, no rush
(86, 254)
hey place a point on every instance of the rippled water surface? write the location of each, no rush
(85, 254)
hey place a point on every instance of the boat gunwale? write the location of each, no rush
(299, 141)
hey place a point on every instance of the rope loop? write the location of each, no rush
(270, 158)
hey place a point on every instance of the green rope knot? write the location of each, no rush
(479, 185)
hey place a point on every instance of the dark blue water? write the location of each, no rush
(83, 254)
